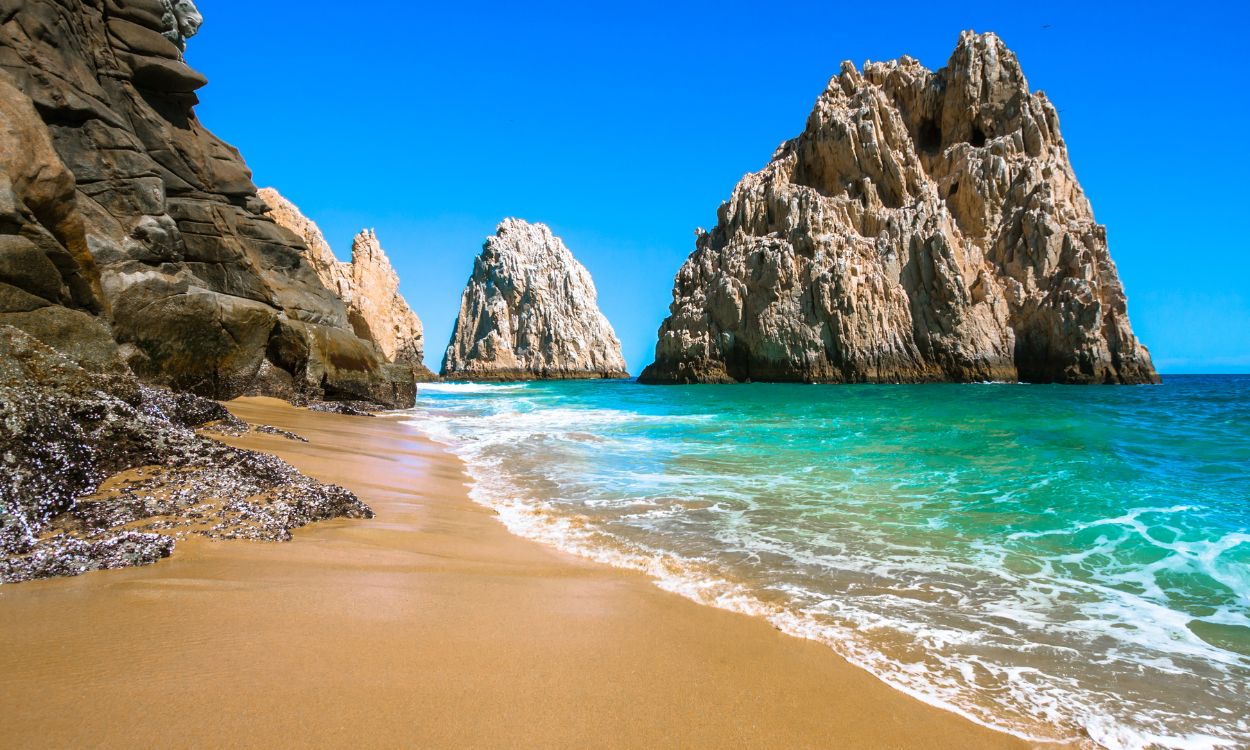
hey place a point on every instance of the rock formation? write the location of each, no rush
(529, 312)
(368, 285)
(132, 242)
(120, 213)
(923, 227)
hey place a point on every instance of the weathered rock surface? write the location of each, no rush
(109, 473)
(333, 273)
(530, 311)
(116, 204)
(349, 408)
(368, 285)
(923, 227)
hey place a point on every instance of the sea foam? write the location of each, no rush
(1001, 559)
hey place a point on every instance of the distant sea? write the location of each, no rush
(1057, 561)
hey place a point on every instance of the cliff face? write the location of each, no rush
(530, 311)
(49, 283)
(923, 227)
(131, 241)
(121, 213)
(368, 285)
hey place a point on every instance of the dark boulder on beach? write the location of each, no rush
(108, 473)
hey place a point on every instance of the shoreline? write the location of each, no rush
(682, 580)
(429, 625)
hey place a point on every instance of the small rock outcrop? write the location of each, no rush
(530, 312)
(117, 204)
(925, 226)
(368, 285)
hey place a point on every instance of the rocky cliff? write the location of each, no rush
(124, 223)
(925, 226)
(530, 311)
(368, 285)
(131, 241)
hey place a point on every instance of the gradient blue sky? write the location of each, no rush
(624, 126)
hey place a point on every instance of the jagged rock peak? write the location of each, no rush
(925, 226)
(368, 285)
(182, 20)
(377, 309)
(530, 311)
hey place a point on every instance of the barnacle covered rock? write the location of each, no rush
(97, 479)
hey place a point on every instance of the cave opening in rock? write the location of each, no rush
(978, 137)
(929, 137)
(954, 189)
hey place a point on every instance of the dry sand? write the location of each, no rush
(428, 626)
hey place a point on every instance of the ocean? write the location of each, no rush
(1060, 562)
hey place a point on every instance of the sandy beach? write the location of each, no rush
(427, 626)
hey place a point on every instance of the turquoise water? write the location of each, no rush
(1061, 562)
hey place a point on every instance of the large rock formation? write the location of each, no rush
(530, 311)
(368, 285)
(120, 213)
(131, 241)
(924, 226)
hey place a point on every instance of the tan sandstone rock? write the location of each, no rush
(925, 226)
(368, 285)
(530, 312)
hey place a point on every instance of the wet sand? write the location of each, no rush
(428, 626)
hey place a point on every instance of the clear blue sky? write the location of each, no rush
(624, 126)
